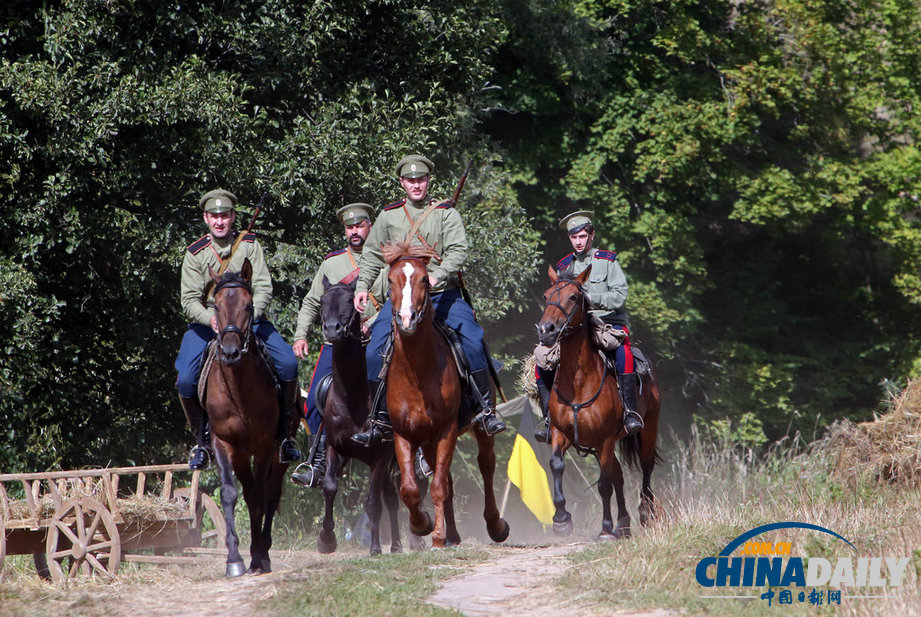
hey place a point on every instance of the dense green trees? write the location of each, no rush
(753, 163)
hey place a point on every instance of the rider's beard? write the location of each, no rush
(356, 241)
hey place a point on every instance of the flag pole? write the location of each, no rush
(508, 485)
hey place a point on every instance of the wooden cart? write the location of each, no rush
(88, 521)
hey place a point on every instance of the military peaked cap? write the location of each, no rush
(414, 166)
(355, 213)
(217, 201)
(574, 221)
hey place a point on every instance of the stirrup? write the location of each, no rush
(311, 476)
(542, 432)
(489, 422)
(633, 423)
(288, 451)
(199, 458)
(421, 466)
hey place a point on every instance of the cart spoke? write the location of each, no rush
(60, 554)
(96, 564)
(67, 531)
(93, 527)
(105, 543)
(74, 568)
(81, 524)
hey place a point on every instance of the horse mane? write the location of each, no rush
(395, 250)
(235, 279)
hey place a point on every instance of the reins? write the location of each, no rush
(568, 330)
(245, 336)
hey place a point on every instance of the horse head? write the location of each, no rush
(233, 308)
(409, 283)
(565, 306)
(337, 310)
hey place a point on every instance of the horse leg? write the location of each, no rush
(562, 520)
(391, 502)
(254, 496)
(420, 522)
(452, 537)
(648, 459)
(272, 496)
(235, 565)
(612, 480)
(326, 540)
(440, 490)
(373, 505)
(496, 526)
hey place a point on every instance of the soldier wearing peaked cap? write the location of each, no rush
(607, 289)
(443, 229)
(211, 250)
(337, 266)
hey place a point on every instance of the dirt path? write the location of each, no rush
(519, 584)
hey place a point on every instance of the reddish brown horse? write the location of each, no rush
(242, 405)
(424, 398)
(586, 410)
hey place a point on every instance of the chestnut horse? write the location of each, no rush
(586, 410)
(424, 398)
(346, 412)
(242, 403)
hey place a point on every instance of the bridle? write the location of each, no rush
(567, 328)
(245, 335)
(419, 316)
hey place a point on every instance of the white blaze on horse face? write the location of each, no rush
(406, 305)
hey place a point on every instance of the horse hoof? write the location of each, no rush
(235, 569)
(325, 547)
(606, 537)
(416, 543)
(563, 528)
(256, 571)
(502, 534)
(396, 549)
(375, 550)
(427, 527)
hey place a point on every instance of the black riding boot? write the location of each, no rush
(633, 422)
(542, 432)
(311, 473)
(487, 417)
(199, 457)
(380, 429)
(287, 450)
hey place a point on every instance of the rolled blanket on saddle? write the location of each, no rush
(605, 337)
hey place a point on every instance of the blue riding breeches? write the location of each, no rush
(195, 342)
(323, 368)
(451, 309)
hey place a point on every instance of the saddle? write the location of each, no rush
(264, 359)
(468, 403)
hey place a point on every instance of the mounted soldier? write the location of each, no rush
(607, 291)
(220, 249)
(339, 266)
(439, 226)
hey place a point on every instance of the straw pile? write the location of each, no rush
(526, 382)
(886, 450)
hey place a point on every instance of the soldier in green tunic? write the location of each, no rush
(336, 267)
(443, 229)
(607, 291)
(210, 251)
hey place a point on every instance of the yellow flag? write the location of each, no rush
(525, 472)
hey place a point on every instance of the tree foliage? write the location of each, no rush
(115, 116)
(756, 166)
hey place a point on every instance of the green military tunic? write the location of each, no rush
(196, 281)
(335, 267)
(607, 285)
(442, 229)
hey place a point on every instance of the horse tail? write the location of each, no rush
(631, 448)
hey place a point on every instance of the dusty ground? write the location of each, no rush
(517, 584)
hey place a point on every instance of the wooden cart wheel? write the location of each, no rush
(82, 538)
(209, 518)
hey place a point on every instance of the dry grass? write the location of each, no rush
(886, 450)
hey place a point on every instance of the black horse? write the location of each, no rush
(346, 413)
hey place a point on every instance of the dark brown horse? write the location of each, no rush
(345, 413)
(586, 410)
(242, 405)
(424, 398)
